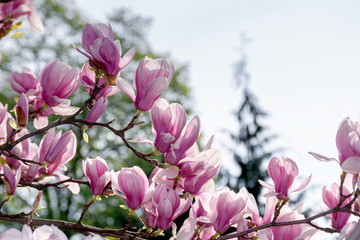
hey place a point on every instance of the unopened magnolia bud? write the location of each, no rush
(356, 206)
(36, 202)
(108, 192)
(20, 117)
(22, 111)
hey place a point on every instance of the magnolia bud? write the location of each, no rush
(36, 203)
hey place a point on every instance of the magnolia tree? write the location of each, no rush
(181, 183)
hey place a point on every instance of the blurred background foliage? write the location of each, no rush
(63, 26)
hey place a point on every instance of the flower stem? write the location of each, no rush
(86, 207)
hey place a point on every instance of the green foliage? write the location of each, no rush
(63, 25)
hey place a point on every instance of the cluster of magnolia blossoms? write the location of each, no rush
(183, 184)
(11, 10)
(163, 197)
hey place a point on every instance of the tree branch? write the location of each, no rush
(308, 220)
(76, 227)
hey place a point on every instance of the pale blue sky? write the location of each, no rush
(304, 62)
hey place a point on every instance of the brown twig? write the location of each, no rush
(4, 201)
(86, 207)
(279, 205)
(25, 161)
(80, 228)
(121, 134)
(308, 221)
(41, 187)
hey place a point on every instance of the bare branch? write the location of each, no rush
(76, 227)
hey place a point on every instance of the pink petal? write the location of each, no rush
(11, 233)
(49, 232)
(105, 30)
(73, 187)
(141, 140)
(126, 88)
(89, 35)
(126, 59)
(351, 165)
(351, 231)
(40, 122)
(303, 184)
(267, 185)
(101, 184)
(97, 110)
(151, 94)
(322, 158)
(306, 234)
(35, 21)
(165, 214)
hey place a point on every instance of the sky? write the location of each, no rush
(304, 60)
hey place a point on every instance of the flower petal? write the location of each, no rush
(126, 88)
(351, 165)
(303, 184)
(322, 158)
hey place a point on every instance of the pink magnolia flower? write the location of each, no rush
(168, 205)
(251, 208)
(347, 140)
(104, 51)
(164, 206)
(348, 145)
(58, 81)
(283, 172)
(331, 198)
(132, 184)
(351, 231)
(186, 231)
(49, 232)
(22, 111)
(200, 169)
(11, 180)
(97, 172)
(14, 234)
(152, 77)
(49, 95)
(187, 139)
(291, 232)
(91, 33)
(40, 233)
(166, 176)
(229, 206)
(25, 82)
(168, 121)
(17, 8)
(88, 79)
(220, 209)
(202, 208)
(57, 150)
